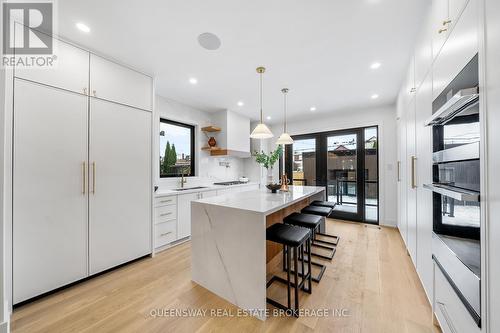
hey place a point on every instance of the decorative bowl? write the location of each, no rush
(273, 187)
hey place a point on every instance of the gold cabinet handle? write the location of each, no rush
(166, 214)
(84, 174)
(440, 31)
(165, 201)
(166, 233)
(413, 172)
(445, 22)
(93, 177)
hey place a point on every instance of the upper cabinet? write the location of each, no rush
(70, 70)
(440, 25)
(459, 49)
(116, 83)
(455, 9)
(423, 53)
(444, 16)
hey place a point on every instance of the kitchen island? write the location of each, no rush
(229, 253)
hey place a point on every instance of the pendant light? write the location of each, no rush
(285, 138)
(261, 131)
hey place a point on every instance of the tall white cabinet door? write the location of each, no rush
(116, 83)
(411, 194)
(402, 218)
(184, 214)
(424, 176)
(120, 184)
(70, 70)
(49, 194)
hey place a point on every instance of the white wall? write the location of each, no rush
(207, 168)
(385, 118)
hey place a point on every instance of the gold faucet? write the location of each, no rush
(183, 180)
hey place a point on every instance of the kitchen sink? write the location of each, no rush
(189, 188)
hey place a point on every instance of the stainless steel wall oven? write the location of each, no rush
(456, 186)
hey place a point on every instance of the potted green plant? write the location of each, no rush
(268, 161)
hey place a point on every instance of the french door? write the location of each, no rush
(345, 162)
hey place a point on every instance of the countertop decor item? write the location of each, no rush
(243, 179)
(273, 187)
(284, 183)
(268, 161)
(212, 143)
(261, 131)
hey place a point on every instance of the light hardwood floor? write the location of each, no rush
(371, 278)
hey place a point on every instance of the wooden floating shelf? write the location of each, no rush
(211, 129)
(210, 148)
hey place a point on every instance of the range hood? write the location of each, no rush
(460, 102)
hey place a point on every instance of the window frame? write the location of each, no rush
(193, 146)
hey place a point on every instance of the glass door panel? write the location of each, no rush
(304, 162)
(371, 174)
(342, 173)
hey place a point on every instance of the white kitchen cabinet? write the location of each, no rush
(411, 193)
(455, 9)
(423, 53)
(116, 83)
(49, 189)
(440, 25)
(71, 70)
(208, 194)
(460, 48)
(184, 214)
(402, 188)
(424, 176)
(120, 184)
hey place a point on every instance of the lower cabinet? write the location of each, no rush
(451, 313)
(173, 213)
(184, 214)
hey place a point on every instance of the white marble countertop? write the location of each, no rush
(209, 187)
(263, 201)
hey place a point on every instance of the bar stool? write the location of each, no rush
(311, 222)
(292, 238)
(322, 208)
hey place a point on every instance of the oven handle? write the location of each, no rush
(452, 192)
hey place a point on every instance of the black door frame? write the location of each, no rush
(322, 168)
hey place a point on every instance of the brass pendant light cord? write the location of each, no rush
(261, 121)
(285, 92)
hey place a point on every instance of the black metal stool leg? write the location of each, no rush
(296, 276)
(327, 257)
(288, 261)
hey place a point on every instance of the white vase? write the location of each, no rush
(270, 176)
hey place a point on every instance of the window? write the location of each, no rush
(176, 149)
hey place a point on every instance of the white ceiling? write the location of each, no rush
(320, 49)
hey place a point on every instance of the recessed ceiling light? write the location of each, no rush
(268, 117)
(82, 27)
(193, 80)
(312, 108)
(374, 96)
(240, 103)
(375, 65)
